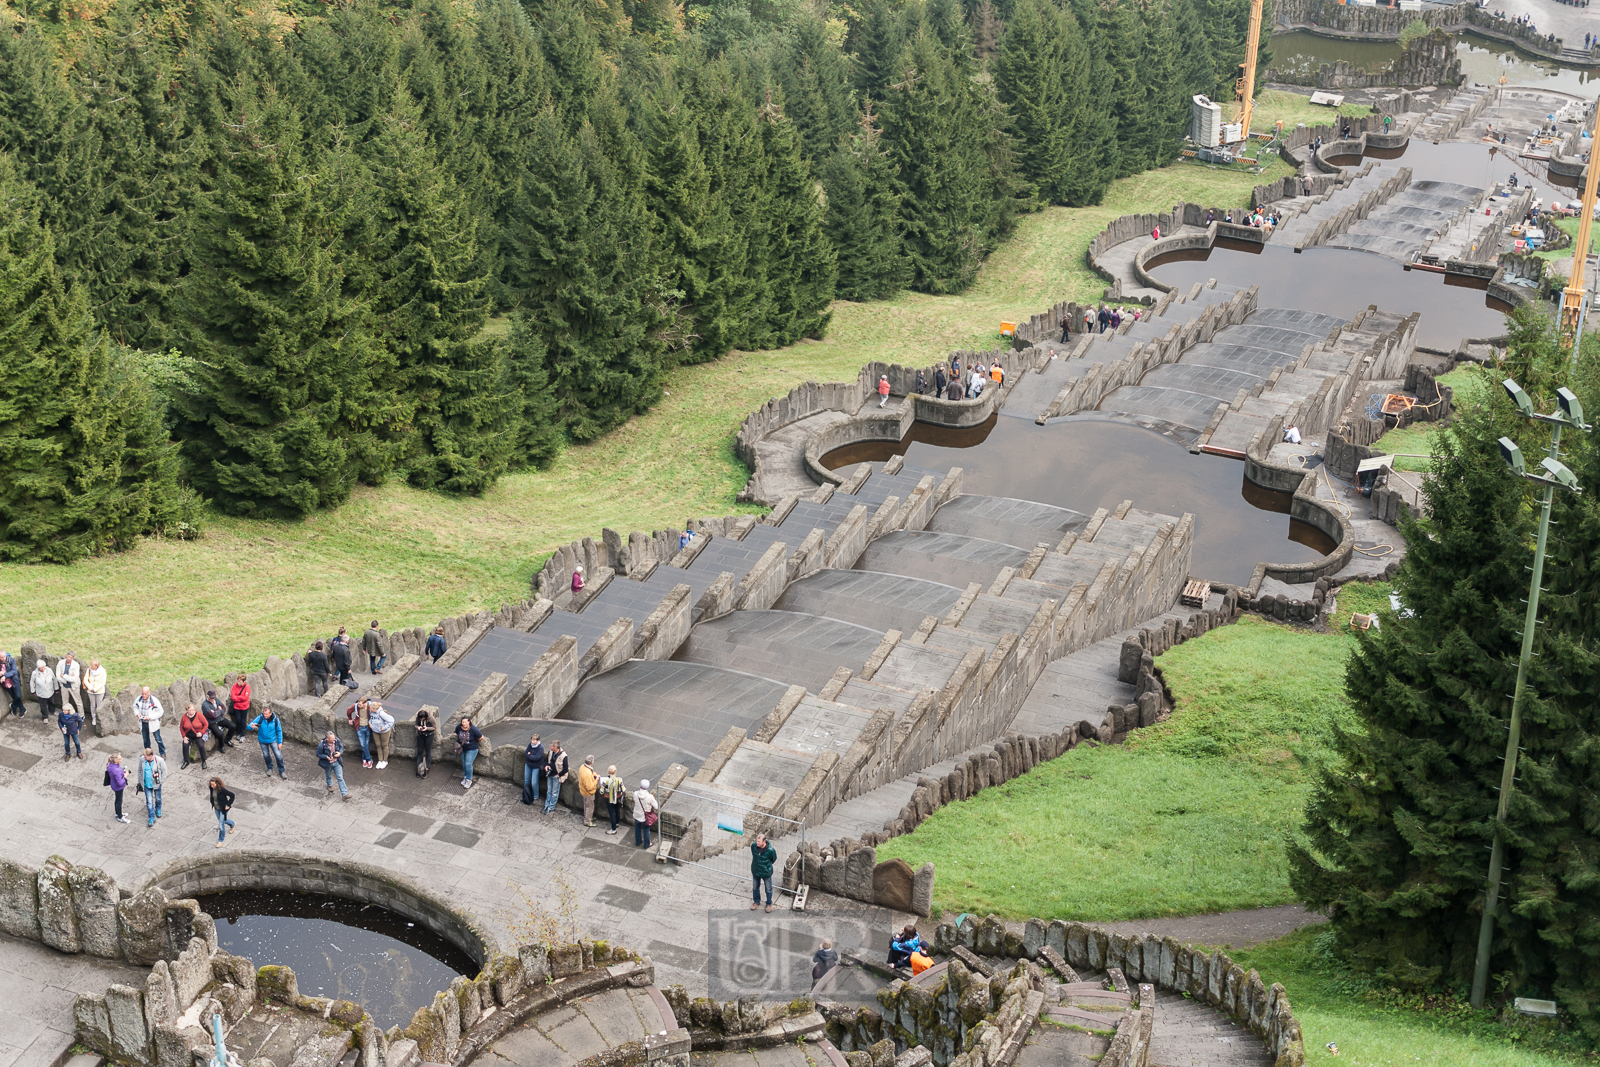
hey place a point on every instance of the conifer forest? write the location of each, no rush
(247, 254)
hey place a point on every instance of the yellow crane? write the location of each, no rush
(1572, 298)
(1246, 85)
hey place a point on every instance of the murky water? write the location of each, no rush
(1092, 461)
(340, 948)
(1482, 61)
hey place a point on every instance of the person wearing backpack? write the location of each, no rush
(436, 644)
(269, 731)
(381, 723)
(359, 715)
(152, 773)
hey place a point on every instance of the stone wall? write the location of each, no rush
(1211, 978)
(82, 909)
(1427, 60)
(1329, 18)
(1331, 227)
(743, 1024)
(963, 1018)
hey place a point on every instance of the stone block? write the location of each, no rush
(830, 876)
(171, 1046)
(160, 999)
(130, 1035)
(449, 1013)
(91, 1022)
(1033, 938)
(278, 983)
(427, 1030)
(566, 960)
(466, 997)
(19, 900)
(58, 923)
(191, 972)
(1149, 704)
(991, 937)
(968, 928)
(860, 880)
(893, 883)
(181, 925)
(922, 890)
(94, 900)
(508, 976)
(142, 926)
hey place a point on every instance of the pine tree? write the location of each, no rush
(430, 299)
(938, 133)
(800, 263)
(278, 423)
(1166, 107)
(572, 55)
(1089, 79)
(985, 29)
(816, 86)
(1030, 75)
(875, 43)
(863, 219)
(1122, 39)
(85, 463)
(1398, 824)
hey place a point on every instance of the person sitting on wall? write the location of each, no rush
(903, 945)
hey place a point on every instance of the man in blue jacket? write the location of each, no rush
(436, 644)
(269, 731)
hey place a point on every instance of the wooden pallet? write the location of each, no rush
(1195, 593)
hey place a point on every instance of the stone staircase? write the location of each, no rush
(1303, 226)
(1077, 1025)
(1448, 119)
(607, 1024)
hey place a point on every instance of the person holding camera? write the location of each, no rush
(330, 753)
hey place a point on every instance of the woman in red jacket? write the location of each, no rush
(239, 697)
(193, 728)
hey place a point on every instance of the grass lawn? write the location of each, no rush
(1373, 1027)
(1187, 817)
(1293, 109)
(1469, 383)
(1571, 228)
(248, 589)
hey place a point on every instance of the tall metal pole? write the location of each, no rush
(1572, 297)
(1480, 973)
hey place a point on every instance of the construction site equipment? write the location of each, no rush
(1247, 83)
(1572, 298)
(1205, 128)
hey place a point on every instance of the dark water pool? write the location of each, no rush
(1482, 60)
(340, 948)
(1091, 461)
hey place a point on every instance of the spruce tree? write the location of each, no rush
(1397, 829)
(816, 86)
(1030, 76)
(430, 300)
(1090, 79)
(279, 423)
(936, 128)
(863, 219)
(85, 463)
(800, 262)
(1122, 37)
(876, 39)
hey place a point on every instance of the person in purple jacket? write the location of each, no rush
(117, 779)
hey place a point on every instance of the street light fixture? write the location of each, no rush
(1555, 473)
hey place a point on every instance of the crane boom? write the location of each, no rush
(1572, 298)
(1247, 84)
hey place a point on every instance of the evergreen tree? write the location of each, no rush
(278, 424)
(816, 86)
(1196, 66)
(875, 42)
(863, 219)
(85, 463)
(572, 55)
(1030, 76)
(1096, 150)
(800, 263)
(1398, 825)
(984, 27)
(1122, 39)
(938, 132)
(1167, 108)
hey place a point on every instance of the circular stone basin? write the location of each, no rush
(340, 948)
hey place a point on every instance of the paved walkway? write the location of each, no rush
(37, 986)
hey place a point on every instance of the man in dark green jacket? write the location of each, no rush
(762, 857)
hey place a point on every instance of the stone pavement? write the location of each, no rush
(578, 1030)
(37, 985)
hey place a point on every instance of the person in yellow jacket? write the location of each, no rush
(588, 786)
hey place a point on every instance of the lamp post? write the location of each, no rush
(1555, 473)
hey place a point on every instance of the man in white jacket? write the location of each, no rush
(68, 675)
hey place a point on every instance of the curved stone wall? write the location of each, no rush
(298, 873)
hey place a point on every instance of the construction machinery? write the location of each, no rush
(1572, 298)
(1245, 87)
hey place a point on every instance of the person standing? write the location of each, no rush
(534, 759)
(42, 683)
(94, 683)
(11, 682)
(217, 720)
(221, 803)
(372, 645)
(555, 774)
(382, 725)
(152, 773)
(427, 730)
(1104, 317)
(69, 675)
(70, 719)
(239, 696)
(762, 857)
(269, 731)
(341, 658)
(883, 389)
(467, 738)
(588, 786)
(646, 813)
(955, 391)
(330, 757)
(359, 715)
(940, 380)
(320, 670)
(148, 710)
(436, 643)
(117, 779)
(612, 787)
(823, 960)
(193, 729)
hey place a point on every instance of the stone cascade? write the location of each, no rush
(1329, 18)
(1427, 60)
